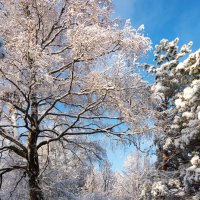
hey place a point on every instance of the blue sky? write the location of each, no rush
(162, 19)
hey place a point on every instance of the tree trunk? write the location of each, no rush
(35, 192)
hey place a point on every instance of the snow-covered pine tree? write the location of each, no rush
(177, 88)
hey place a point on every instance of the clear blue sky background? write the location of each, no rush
(162, 19)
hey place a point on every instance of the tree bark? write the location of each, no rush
(35, 191)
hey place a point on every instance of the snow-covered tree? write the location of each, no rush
(65, 170)
(177, 88)
(104, 184)
(100, 181)
(127, 182)
(67, 71)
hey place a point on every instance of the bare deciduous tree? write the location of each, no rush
(67, 71)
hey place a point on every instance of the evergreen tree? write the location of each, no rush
(177, 88)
